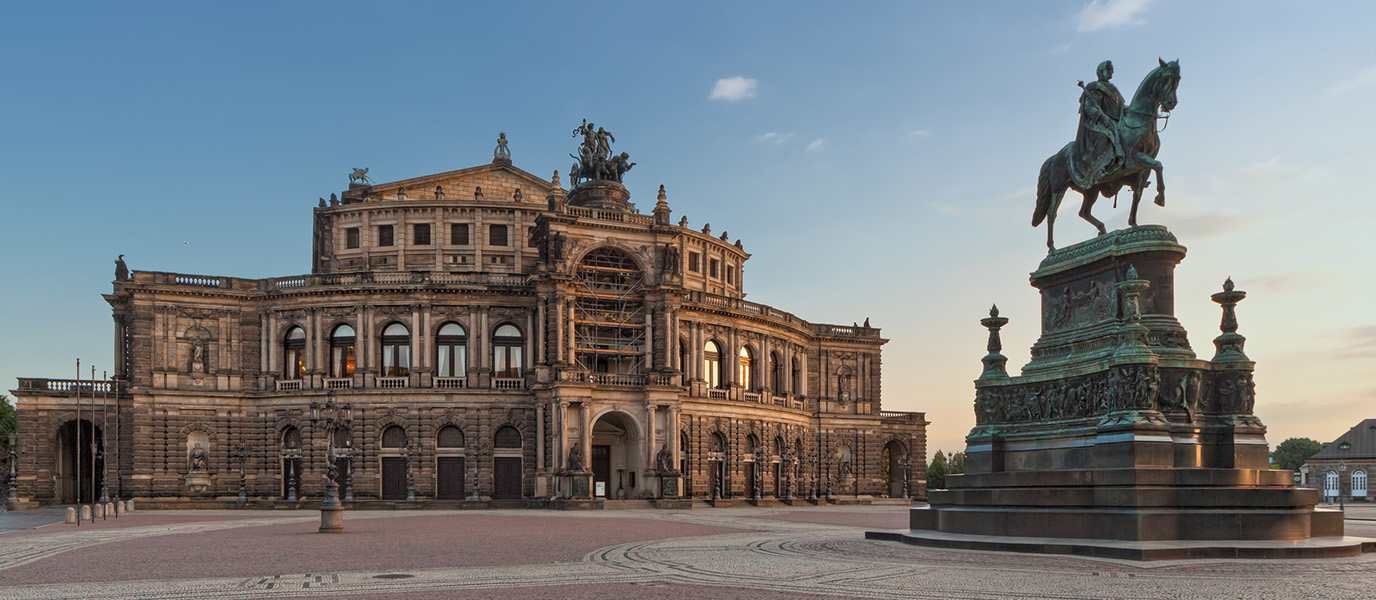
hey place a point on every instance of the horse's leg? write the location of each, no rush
(1142, 183)
(1160, 182)
(1051, 220)
(1091, 195)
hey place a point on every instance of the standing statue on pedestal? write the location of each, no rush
(595, 159)
(1115, 146)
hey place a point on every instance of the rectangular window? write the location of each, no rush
(384, 235)
(730, 274)
(351, 237)
(530, 237)
(458, 234)
(693, 262)
(714, 267)
(422, 234)
(497, 235)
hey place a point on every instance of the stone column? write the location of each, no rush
(417, 336)
(263, 343)
(485, 343)
(650, 445)
(540, 332)
(561, 437)
(272, 344)
(539, 437)
(649, 340)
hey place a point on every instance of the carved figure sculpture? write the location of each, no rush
(501, 152)
(664, 460)
(1091, 164)
(121, 269)
(576, 457)
(595, 161)
(196, 459)
(360, 176)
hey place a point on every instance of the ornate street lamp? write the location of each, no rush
(349, 466)
(239, 453)
(480, 450)
(1342, 469)
(337, 416)
(13, 494)
(411, 453)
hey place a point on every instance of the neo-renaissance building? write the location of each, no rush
(485, 327)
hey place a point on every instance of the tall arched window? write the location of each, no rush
(716, 443)
(508, 351)
(711, 364)
(449, 437)
(342, 352)
(752, 444)
(798, 377)
(1359, 484)
(452, 344)
(293, 354)
(1330, 484)
(683, 363)
(394, 437)
(396, 351)
(776, 373)
(747, 369)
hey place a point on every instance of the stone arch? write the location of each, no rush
(641, 262)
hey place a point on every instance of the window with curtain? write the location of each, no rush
(508, 352)
(342, 351)
(452, 347)
(293, 354)
(396, 351)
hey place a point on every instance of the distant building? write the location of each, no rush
(487, 328)
(1343, 466)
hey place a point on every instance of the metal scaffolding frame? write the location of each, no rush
(609, 313)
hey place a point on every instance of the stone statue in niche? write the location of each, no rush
(516, 195)
(664, 461)
(196, 460)
(843, 462)
(439, 192)
(401, 193)
(197, 356)
(478, 192)
(576, 457)
(670, 258)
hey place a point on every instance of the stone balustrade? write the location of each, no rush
(744, 306)
(70, 387)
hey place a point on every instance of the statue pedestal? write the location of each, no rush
(605, 195)
(668, 485)
(577, 485)
(197, 482)
(1116, 435)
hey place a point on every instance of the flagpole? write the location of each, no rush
(76, 443)
(93, 443)
(105, 441)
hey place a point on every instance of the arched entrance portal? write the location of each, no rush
(895, 476)
(618, 455)
(74, 456)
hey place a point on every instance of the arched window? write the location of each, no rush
(507, 437)
(508, 350)
(291, 438)
(1359, 484)
(342, 352)
(717, 443)
(747, 369)
(798, 377)
(752, 443)
(396, 351)
(449, 437)
(293, 354)
(778, 445)
(711, 364)
(452, 346)
(1330, 484)
(393, 437)
(683, 359)
(776, 373)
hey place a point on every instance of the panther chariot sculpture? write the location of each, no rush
(1115, 146)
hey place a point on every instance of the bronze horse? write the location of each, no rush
(1137, 132)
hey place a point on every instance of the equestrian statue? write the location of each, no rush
(1115, 146)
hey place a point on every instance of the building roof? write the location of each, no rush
(1362, 437)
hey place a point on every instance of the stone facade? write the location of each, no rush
(491, 301)
(1343, 467)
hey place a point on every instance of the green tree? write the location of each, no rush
(1292, 453)
(6, 422)
(957, 465)
(936, 472)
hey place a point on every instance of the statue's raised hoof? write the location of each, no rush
(1160, 200)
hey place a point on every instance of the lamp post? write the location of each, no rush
(12, 496)
(349, 466)
(239, 453)
(337, 416)
(905, 475)
(411, 453)
(1342, 470)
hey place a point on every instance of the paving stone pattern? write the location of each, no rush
(732, 553)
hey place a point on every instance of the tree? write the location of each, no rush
(957, 465)
(1292, 453)
(936, 472)
(7, 422)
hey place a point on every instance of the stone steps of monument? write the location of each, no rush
(1128, 497)
(1162, 476)
(1131, 524)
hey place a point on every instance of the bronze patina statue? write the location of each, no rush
(595, 159)
(1114, 147)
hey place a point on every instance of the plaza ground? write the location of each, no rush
(720, 553)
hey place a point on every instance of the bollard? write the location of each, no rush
(85, 513)
(110, 509)
(119, 508)
(128, 506)
(71, 515)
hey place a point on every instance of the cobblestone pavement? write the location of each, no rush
(735, 553)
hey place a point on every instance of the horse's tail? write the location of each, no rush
(1044, 191)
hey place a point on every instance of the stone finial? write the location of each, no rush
(334, 200)
(707, 228)
(723, 235)
(661, 210)
(1229, 344)
(738, 244)
(501, 154)
(322, 203)
(683, 221)
(554, 181)
(1132, 273)
(995, 364)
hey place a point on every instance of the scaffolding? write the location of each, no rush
(609, 313)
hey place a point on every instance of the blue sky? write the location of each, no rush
(879, 161)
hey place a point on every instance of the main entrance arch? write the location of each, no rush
(618, 455)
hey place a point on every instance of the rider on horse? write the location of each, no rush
(1098, 150)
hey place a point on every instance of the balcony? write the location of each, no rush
(341, 383)
(451, 383)
(721, 302)
(290, 385)
(508, 383)
(71, 387)
(392, 383)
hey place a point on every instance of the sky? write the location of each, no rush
(878, 161)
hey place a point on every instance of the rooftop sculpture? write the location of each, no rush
(595, 159)
(1115, 146)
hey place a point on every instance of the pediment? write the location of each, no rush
(498, 181)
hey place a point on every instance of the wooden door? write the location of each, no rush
(506, 478)
(393, 478)
(602, 466)
(750, 480)
(451, 477)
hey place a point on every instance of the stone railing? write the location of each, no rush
(512, 383)
(290, 385)
(751, 396)
(392, 383)
(342, 383)
(608, 215)
(665, 380)
(764, 310)
(192, 280)
(618, 380)
(393, 278)
(451, 383)
(63, 387)
(895, 415)
(717, 394)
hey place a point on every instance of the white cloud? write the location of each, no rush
(815, 146)
(733, 89)
(1363, 78)
(1108, 14)
(917, 133)
(774, 137)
